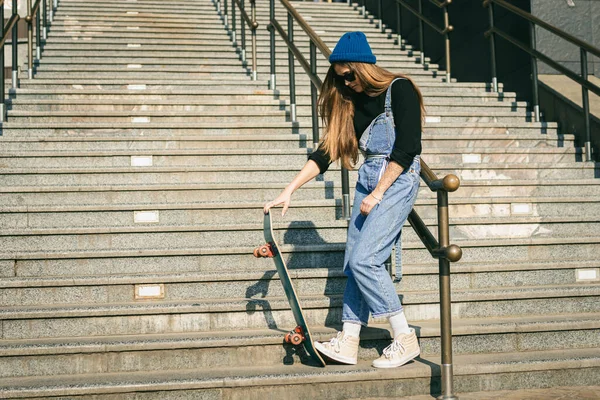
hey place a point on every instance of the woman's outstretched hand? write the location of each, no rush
(284, 198)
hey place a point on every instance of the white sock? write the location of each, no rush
(351, 329)
(399, 324)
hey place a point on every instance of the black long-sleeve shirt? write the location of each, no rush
(407, 118)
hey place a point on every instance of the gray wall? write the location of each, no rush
(581, 21)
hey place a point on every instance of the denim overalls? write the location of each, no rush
(369, 288)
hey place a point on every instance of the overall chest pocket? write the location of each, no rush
(379, 138)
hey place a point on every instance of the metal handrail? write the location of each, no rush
(516, 10)
(10, 28)
(33, 11)
(547, 60)
(422, 19)
(312, 35)
(584, 49)
(445, 253)
(440, 248)
(305, 65)
(252, 24)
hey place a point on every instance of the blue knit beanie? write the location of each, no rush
(352, 47)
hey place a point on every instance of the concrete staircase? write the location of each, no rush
(142, 153)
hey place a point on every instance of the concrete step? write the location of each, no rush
(205, 26)
(329, 37)
(304, 118)
(470, 371)
(258, 88)
(66, 356)
(239, 314)
(226, 58)
(518, 197)
(314, 279)
(143, 52)
(90, 231)
(160, 149)
(474, 130)
(53, 107)
(255, 173)
(149, 49)
(229, 157)
(191, 212)
(217, 260)
(264, 283)
(223, 43)
(423, 75)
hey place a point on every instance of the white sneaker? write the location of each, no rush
(403, 349)
(342, 348)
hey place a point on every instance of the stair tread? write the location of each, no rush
(259, 337)
(281, 303)
(243, 275)
(296, 374)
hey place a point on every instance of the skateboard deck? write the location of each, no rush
(300, 334)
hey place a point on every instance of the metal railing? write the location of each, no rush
(422, 20)
(33, 11)
(584, 49)
(10, 29)
(250, 21)
(440, 248)
(445, 253)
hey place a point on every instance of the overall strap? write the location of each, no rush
(388, 97)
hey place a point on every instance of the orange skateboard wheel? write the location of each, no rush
(296, 336)
(263, 251)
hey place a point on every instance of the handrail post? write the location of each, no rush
(380, 15)
(243, 32)
(447, 42)
(313, 95)
(291, 69)
(272, 83)
(363, 9)
(345, 194)
(44, 5)
(254, 51)
(225, 21)
(233, 23)
(399, 23)
(421, 34)
(29, 40)
(586, 107)
(15, 48)
(38, 35)
(445, 300)
(534, 74)
(2, 89)
(493, 48)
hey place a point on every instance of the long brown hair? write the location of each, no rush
(337, 110)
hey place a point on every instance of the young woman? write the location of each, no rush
(366, 107)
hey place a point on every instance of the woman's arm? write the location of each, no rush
(392, 172)
(308, 172)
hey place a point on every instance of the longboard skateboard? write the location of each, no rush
(300, 334)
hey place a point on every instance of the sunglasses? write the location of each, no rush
(348, 77)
